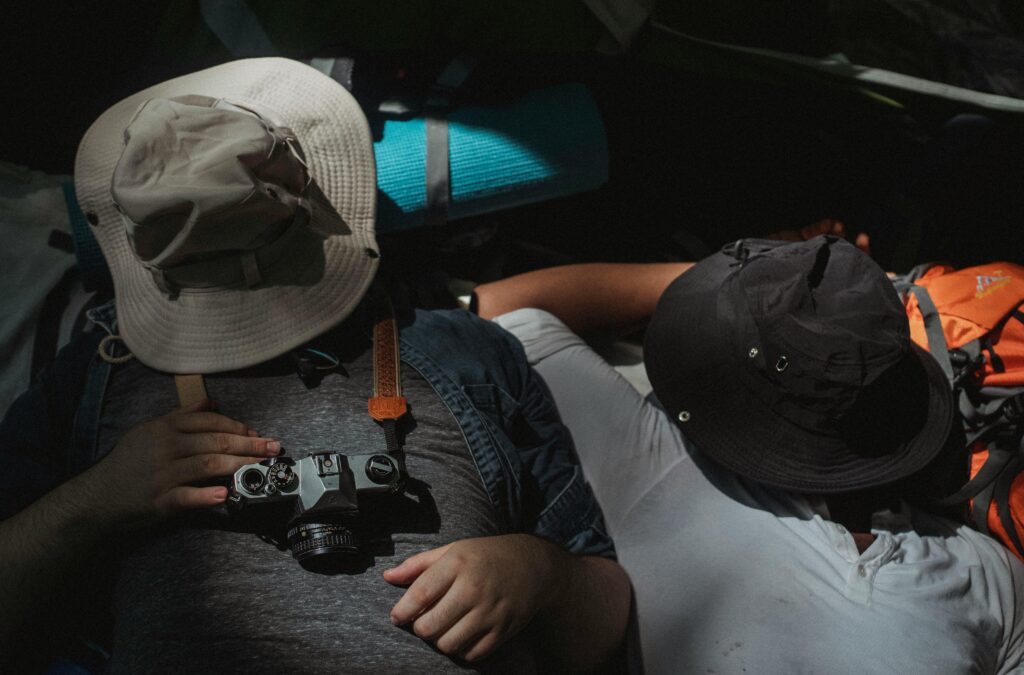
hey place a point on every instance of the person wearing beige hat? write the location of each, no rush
(411, 503)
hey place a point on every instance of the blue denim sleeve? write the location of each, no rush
(569, 514)
(36, 433)
(524, 453)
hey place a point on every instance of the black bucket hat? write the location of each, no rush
(791, 364)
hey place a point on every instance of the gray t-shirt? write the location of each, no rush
(198, 597)
(733, 577)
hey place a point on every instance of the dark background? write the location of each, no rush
(702, 151)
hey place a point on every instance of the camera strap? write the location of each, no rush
(386, 405)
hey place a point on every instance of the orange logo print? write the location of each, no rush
(987, 284)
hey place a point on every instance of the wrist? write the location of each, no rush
(557, 570)
(86, 505)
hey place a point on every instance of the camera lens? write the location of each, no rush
(252, 480)
(326, 546)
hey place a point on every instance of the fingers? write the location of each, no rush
(424, 592)
(464, 636)
(474, 637)
(863, 242)
(198, 421)
(413, 566)
(187, 497)
(226, 444)
(785, 235)
(436, 621)
(198, 468)
(823, 226)
(484, 646)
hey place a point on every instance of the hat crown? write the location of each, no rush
(824, 318)
(200, 176)
(793, 365)
(205, 294)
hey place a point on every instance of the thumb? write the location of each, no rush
(408, 571)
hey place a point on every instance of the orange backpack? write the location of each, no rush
(972, 322)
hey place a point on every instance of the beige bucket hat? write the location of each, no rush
(235, 207)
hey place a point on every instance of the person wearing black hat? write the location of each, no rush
(770, 498)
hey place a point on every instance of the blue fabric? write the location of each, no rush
(550, 143)
(523, 453)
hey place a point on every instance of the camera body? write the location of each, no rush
(325, 487)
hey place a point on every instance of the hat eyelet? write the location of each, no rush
(684, 416)
(782, 364)
(754, 351)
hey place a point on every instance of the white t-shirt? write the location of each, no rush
(733, 577)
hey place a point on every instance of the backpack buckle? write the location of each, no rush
(1013, 408)
(964, 367)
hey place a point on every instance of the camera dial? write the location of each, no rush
(281, 476)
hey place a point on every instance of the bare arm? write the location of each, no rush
(473, 595)
(41, 548)
(587, 619)
(588, 298)
(150, 475)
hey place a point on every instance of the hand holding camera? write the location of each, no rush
(154, 469)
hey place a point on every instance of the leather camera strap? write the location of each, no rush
(387, 403)
(191, 389)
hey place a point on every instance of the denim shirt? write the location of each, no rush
(523, 453)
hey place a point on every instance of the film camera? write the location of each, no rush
(324, 530)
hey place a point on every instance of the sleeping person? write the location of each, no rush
(769, 501)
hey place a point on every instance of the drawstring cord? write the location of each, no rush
(108, 356)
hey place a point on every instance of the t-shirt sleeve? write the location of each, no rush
(625, 443)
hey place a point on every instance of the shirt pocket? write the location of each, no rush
(491, 398)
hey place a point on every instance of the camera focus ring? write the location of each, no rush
(311, 539)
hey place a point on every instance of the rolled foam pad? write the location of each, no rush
(549, 143)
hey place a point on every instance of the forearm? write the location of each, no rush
(588, 297)
(42, 550)
(587, 616)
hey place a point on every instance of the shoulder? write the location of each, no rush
(461, 341)
(457, 324)
(541, 333)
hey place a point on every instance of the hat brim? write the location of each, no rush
(737, 429)
(302, 295)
